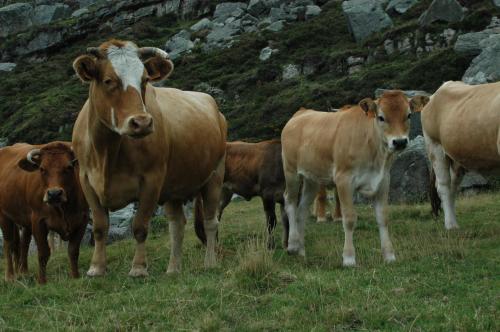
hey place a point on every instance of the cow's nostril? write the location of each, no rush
(400, 143)
(54, 193)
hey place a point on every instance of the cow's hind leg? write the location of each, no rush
(381, 216)
(177, 220)
(285, 224)
(442, 168)
(320, 205)
(269, 208)
(292, 194)
(349, 217)
(225, 199)
(8, 229)
(40, 233)
(210, 194)
(337, 214)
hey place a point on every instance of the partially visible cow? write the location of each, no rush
(461, 125)
(353, 149)
(321, 204)
(256, 169)
(40, 192)
(137, 142)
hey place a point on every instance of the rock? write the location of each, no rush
(266, 53)
(485, 67)
(405, 45)
(365, 17)
(389, 46)
(7, 66)
(202, 24)
(442, 10)
(290, 71)
(179, 44)
(215, 92)
(473, 182)
(120, 223)
(45, 14)
(80, 12)
(229, 9)
(400, 6)
(448, 35)
(15, 18)
(496, 3)
(86, 3)
(3, 142)
(410, 174)
(468, 43)
(258, 7)
(278, 14)
(222, 36)
(276, 26)
(312, 11)
(41, 42)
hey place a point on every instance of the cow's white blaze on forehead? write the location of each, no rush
(127, 65)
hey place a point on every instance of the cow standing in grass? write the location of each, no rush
(256, 169)
(353, 149)
(40, 192)
(461, 126)
(137, 142)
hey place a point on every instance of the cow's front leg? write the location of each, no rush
(24, 248)
(148, 202)
(40, 233)
(349, 217)
(74, 250)
(8, 229)
(177, 220)
(381, 215)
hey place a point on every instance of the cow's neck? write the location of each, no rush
(382, 155)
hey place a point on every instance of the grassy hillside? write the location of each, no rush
(447, 281)
(39, 101)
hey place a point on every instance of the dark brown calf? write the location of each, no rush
(256, 169)
(40, 191)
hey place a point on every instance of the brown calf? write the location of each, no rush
(40, 191)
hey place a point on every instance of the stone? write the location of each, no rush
(80, 12)
(179, 44)
(312, 11)
(353, 60)
(389, 46)
(473, 182)
(86, 3)
(276, 26)
(468, 43)
(202, 24)
(365, 17)
(15, 18)
(448, 35)
(217, 93)
(405, 45)
(266, 53)
(278, 14)
(229, 9)
(485, 67)
(3, 142)
(41, 42)
(222, 36)
(496, 3)
(410, 174)
(7, 66)
(45, 14)
(290, 71)
(258, 7)
(442, 10)
(400, 6)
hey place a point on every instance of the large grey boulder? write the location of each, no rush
(120, 223)
(290, 71)
(222, 36)
(485, 68)
(496, 3)
(400, 6)
(258, 7)
(410, 174)
(202, 24)
(45, 14)
(42, 41)
(469, 43)
(7, 67)
(312, 11)
(266, 53)
(472, 183)
(15, 18)
(86, 3)
(365, 17)
(442, 10)
(229, 9)
(179, 44)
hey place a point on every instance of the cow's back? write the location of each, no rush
(465, 120)
(196, 135)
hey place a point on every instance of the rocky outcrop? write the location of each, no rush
(45, 14)
(178, 44)
(365, 17)
(469, 43)
(442, 10)
(485, 68)
(15, 18)
(7, 66)
(400, 6)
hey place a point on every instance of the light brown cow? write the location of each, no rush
(461, 126)
(353, 149)
(40, 191)
(137, 142)
(321, 203)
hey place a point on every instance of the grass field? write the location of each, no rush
(445, 281)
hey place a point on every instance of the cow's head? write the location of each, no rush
(392, 113)
(55, 163)
(118, 72)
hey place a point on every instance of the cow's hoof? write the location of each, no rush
(294, 251)
(96, 271)
(451, 226)
(9, 278)
(138, 271)
(349, 261)
(210, 262)
(337, 219)
(173, 271)
(389, 258)
(321, 220)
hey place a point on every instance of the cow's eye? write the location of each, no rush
(380, 118)
(409, 115)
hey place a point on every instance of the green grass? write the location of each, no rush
(442, 281)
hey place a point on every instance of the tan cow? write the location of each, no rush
(353, 149)
(321, 203)
(461, 126)
(137, 142)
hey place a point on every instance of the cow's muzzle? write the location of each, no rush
(400, 143)
(139, 126)
(55, 196)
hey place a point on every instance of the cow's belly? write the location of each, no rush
(246, 190)
(116, 192)
(367, 182)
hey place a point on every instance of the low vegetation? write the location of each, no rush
(447, 281)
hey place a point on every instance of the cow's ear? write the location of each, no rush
(158, 68)
(27, 165)
(417, 103)
(85, 67)
(369, 106)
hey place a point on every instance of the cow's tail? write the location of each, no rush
(433, 193)
(199, 226)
